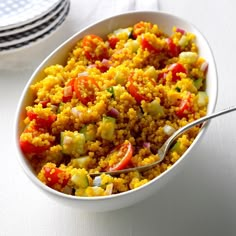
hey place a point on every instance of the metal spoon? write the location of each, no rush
(166, 146)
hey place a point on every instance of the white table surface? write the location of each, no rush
(200, 200)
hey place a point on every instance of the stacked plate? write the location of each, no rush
(23, 22)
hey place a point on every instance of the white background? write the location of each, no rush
(201, 200)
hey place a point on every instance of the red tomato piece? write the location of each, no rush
(68, 91)
(44, 103)
(134, 91)
(175, 69)
(42, 122)
(174, 49)
(104, 65)
(138, 29)
(113, 40)
(123, 153)
(85, 89)
(147, 45)
(28, 147)
(55, 175)
(162, 78)
(141, 28)
(185, 107)
(94, 47)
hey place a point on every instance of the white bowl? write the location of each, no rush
(102, 28)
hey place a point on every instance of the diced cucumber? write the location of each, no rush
(60, 107)
(198, 83)
(176, 147)
(111, 90)
(89, 132)
(202, 99)
(123, 33)
(108, 127)
(120, 78)
(183, 41)
(133, 45)
(118, 91)
(80, 180)
(109, 189)
(188, 57)
(151, 72)
(72, 142)
(81, 162)
(168, 130)
(154, 108)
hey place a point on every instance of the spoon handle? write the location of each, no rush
(180, 131)
(165, 147)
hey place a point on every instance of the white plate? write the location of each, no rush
(37, 37)
(33, 33)
(35, 23)
(14, 13)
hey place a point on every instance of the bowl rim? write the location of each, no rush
(23, 161)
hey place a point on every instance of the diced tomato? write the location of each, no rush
(94, 48)
(28, 147)
(162, 77)
(66, 99)
(44, 103)
(134, 91)
(185, 107)
(85, 89)
(140, 28)
(68, 91)
(113, 40)
(148, 46)
(175, 69)
(104, 65)
(42, 122)
(174, 49)
(123, 153)
(55, 175)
